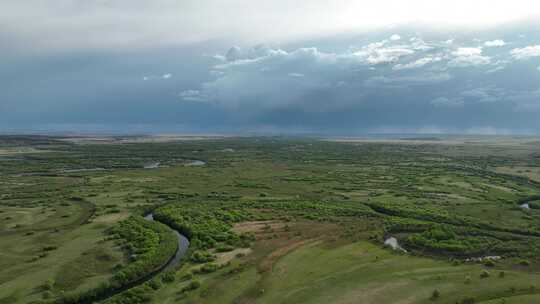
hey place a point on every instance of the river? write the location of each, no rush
(183, 245)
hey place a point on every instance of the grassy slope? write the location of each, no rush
(527, 299)
(358, 273)
(364, 273)
(80, 261)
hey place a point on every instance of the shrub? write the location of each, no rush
(209, 268)
(48, 285)
(151, 243)
(154, 284)
(224, 248)
(47, 295)
(202, 256)
(192, 286)
(49, 248)
(168, 277)
(435, 294)
(468, 300)
(484, 274)
(489, 263)
(524, 263)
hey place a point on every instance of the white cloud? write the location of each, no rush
(418, 44)
(388, 55)
(498, 65)
(309, 79)
(484, 94)
(251, 77)
(157, 77)
(448, 102)
(264, 78)
(526, 52)
(494, 43)
(378, 53)
(234, 53)
(468, 56)
(395, 37)
(467, 51)
(237, 53)
(192, 95)
(406, 81)
(417, 64)
(495, 69)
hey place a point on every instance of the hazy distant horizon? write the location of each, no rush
(135, 132)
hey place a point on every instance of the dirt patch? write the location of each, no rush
(257, 226)
(225, 257)
(137, 179)
(21, 150)
(139, 139)
(532, 173)
(276, 239)
(267, 263)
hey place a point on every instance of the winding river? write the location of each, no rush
(183, 245)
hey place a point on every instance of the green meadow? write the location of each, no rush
(269, 220)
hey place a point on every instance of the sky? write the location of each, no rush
(341, 68)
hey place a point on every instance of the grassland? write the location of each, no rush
(272, 220)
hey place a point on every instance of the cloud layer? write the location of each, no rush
(435, 81)
(401, 79)
(270, 78)
(66, 25)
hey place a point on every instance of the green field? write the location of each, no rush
(270, 220)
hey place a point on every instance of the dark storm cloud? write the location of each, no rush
(403, 81)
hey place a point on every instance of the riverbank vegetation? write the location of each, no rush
(148, 246)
